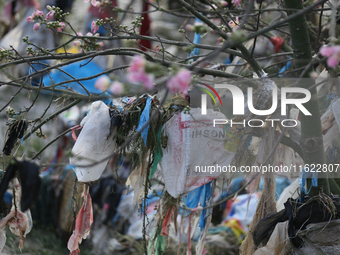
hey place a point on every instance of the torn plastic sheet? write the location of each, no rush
(302, 180)
(83, 223)
(156, 244)
(90, 153)
(277, 241)
(185, 146)
(158, 155)
(144, 118)
(197, 40)
(200, 197)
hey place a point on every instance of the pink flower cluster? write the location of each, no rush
(103, 83)
(180, 82)
(95, 3)
(332, 53)
(85, 45)
(116, 88)
(236, 3)
(94, 27)
(35, 15)
(50, 15)
(137, 73)
(61, 26)
(39, 15)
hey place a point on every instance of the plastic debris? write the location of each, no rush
(29, 178)
(94, 145)
(16, 131)
(277, 41)
(187, 141)
(18, 222)
(144, 119)
(278, 241)
(83, 223)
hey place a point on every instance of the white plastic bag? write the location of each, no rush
(94, 144)
(193, 144)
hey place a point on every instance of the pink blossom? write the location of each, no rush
(236, 3)
(102, 83)
(137, 64)
(36, 26)
(116, 88)
(326, 51)
(183, 78)
(29, 19)
(332, 62)
(34, 15)
(180, 82)
(94, 27)
(38, 13)
(95, 3)
(137, 73)
(332, 53)
(141, 77)
(79, 34)
(76, 43)
(48, 7)
(50, 15)
(61, 26)
(234, 25)
(99, 45)
(89, 34)
(224, 3)
(172, 85)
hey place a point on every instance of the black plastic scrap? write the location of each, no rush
(321, 208)
(16, 130)
(29, 180)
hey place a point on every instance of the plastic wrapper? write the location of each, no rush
(94, 145)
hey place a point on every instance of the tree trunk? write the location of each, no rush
(311, 136)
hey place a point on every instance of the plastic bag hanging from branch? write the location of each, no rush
(90, 153)
(189, 136)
